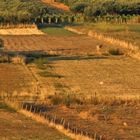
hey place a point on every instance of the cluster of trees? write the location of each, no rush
(34, 11)
(105, 9)
(25, 11)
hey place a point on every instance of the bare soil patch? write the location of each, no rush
(57, 5)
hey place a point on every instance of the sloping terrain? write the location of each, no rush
(14, 126)
(56, 4)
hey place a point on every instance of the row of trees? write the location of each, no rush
(34, 11)
(112, 9)
(24, 11)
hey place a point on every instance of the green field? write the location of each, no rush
(57, 31)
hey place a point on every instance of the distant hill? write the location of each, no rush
(24, 11)
(57, 4)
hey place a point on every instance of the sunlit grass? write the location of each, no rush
(57, 31)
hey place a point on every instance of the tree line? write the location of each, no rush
(118, 10)
(34, 11)
(25, 11)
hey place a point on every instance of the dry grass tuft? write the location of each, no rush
(19, 59)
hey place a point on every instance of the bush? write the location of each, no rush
(4, 59)
(19, 59)
(115, 52)
(65, 100)
(1, 43)
(40, 62)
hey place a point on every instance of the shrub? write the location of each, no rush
(65, 100)
(1, 43)
(4, 59)
(19, 59)
(40, 62)
(115, 52)
(49, 74)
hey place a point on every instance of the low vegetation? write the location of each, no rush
(108, 10)
(76, 69)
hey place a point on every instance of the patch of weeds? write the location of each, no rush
(4, 59)
(115, 52)
(107, 109)
(105, 54)
(65, 100)
(36, 55)
(49, 74)
(59, 86)
(40, 63)
(6, 107)
(1, 43)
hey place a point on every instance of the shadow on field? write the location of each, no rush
(61, 58)
(35, 55)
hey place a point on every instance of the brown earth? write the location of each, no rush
(71, 45)
(56, 4)
(15, 78)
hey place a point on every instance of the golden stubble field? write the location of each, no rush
(63, 45)
(15, 126)
(105, 76)
(78, 70)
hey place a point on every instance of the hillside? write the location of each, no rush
(57, 4)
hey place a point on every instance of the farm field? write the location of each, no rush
(72, 74)
(15, 78)
(110, 122)
(129, 32)
(106, 76)
(69, 70)
(22, 31)
(15, 126)
(66, 44)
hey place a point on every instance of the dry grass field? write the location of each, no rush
(15, 126)
(78, 73)
(105, 76)
(15, 78)
(129, 32)
(22, 31)
(64, 45)
(110, 122)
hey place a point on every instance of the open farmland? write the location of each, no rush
(15, 78)
(129, 32)
(106, 76)
(70, 45)
(69, 69)
(22, 31)
(15, 126)
(88, 89)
